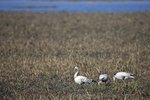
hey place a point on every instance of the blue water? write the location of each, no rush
(66, 6)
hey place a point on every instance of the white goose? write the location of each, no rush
(81, 79)
(103, 78)
(123, 76)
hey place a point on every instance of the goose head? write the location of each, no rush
(76, 68)
(114, 78)
(77, 72)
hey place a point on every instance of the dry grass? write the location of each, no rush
(39, 51)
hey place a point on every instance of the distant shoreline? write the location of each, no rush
(65, 6)
(84, 0)
(91, 0)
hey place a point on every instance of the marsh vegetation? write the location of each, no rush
(40, 50)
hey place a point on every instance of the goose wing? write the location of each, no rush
(82, 79)
(86, 80)
(125, 74)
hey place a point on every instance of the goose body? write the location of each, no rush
(123, 76)
(103, 78)
(81, 79)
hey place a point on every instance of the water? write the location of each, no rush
(66, 6)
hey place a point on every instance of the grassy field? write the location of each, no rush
(39, 53)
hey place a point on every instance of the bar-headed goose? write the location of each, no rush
(81, 79)
(103, 78)
(123, 76)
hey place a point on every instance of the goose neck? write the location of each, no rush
(76, 74)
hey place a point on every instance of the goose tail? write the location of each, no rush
(131, 74)
(132, 77)
(91, 80)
